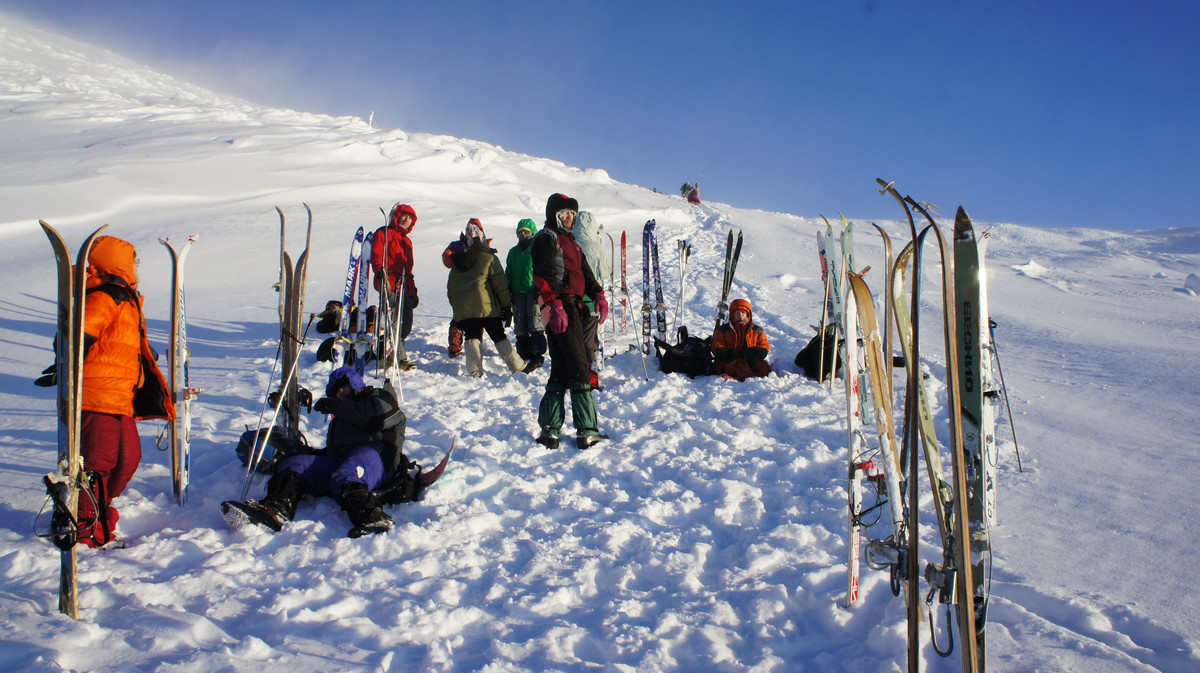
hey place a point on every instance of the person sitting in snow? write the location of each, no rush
(740, 348)
(363, 452)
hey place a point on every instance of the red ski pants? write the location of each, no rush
(745, 369)
(111, 451)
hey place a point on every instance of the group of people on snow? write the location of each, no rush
(549, 290)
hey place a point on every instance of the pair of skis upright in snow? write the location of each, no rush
(732, 253)
(65, 484)
(69, 480)
(289, 397)
(352, 344)
(652, 271)
(866, 365)
(965, 503)
(179, 375)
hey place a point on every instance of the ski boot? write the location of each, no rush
(366, 515)
(284, 491)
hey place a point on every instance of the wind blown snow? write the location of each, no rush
(706, 535)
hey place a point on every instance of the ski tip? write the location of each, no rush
(427, 478)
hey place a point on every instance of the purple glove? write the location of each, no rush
(602, 306)
(557, 319)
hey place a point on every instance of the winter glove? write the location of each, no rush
(412, 300)
(49, 377)
(601, 306)
(506, 316)
(325, 405)
(557, 321)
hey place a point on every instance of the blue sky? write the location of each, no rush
(1041, 113)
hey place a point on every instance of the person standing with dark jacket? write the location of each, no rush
(454, 340)
(480, 299)
(563, 279)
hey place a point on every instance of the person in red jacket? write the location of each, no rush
(115, 347)
(740, 347)
(392, 255)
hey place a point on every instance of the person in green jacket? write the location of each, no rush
(479, 297)
(527, 319)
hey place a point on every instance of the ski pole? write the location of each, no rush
(1004, 389)
(256, 456)
(821, 333)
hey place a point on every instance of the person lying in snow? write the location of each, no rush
(363, 452)
(740, 347)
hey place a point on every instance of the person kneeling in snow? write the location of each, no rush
(740, 347)
(363, 451)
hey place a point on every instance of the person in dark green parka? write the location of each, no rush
(479, 297)
(527, 319)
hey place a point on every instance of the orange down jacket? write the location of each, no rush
(740, 343)
(114, 331)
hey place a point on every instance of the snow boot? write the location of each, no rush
(515, 362)
(524, 348)
(365, 513)
(454, 345)
(284, 492)
(473, 355)
(584, 416)
(588, 441)
(552, 411)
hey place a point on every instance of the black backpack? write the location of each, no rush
(809, 357)
(692, 356)
(278, 446)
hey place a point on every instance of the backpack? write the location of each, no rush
(692, 356)
(277, 448)
(809, 357)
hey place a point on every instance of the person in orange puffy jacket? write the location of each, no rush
(114, 346)
(392, 250)
(740, 348)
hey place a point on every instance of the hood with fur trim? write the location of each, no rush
(558, 202)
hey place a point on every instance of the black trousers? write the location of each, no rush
(568, 350)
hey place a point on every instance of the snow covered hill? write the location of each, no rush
(707, 535)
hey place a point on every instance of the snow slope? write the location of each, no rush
(707, 535)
